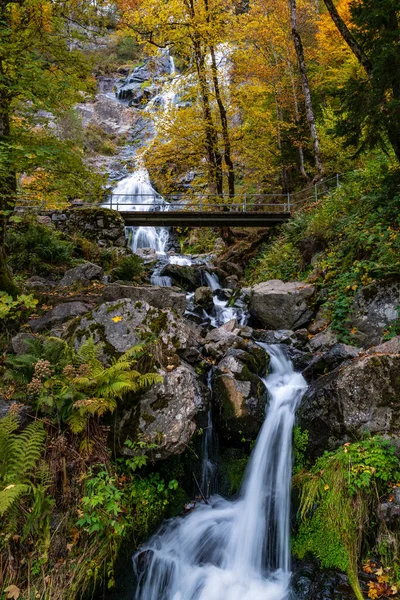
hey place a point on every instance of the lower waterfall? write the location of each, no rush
(235, 550)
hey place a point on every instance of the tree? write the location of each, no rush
(298, 44)
(40, 73)
(372, 103)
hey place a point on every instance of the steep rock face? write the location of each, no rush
(99, 225)
(122, 324)
(375, 308)
(166, 414)
(239, 394)
(133, 87)
(159, 297)
(363, 396)
(187, 277)
(278, 305)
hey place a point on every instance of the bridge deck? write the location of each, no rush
(202, 219)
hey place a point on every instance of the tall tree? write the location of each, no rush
(298, 44)
(372, 103)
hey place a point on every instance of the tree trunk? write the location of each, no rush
(224, 124)
(349, 38)
(8, 182)
(298, 44)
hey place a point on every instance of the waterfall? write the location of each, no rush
(222, 311)
(235, 550)
(136, 193)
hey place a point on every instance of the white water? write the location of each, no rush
(223, 313)
(235, 550)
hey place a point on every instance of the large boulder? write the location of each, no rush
(104, 227)
(166, 414)
(57, 316)
(362, 396)
(239, 393)
(125, 323)
(187, 277)
(218, 341)
(203, 297)
(375, 308)
(278, 305)
(83, 274)
(160, 297)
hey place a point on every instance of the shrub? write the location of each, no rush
(130, 268)
(37, 249)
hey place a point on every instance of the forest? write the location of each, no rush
(199, 412)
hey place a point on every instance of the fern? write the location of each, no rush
(26, 450)
(11, 494)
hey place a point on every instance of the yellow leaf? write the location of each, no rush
(12, 591)
(379, 572)
(326, 487)
(116, 319)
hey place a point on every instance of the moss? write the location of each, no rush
(148, 418)
(159, 323)
(233, 466)
(159, 404)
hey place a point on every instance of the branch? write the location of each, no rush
(349, 38)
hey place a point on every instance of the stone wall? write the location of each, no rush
(99, 225)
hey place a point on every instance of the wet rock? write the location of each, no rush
(159, 297)
(166, 414)
(280, 336)
(104, 227)
(311, 583)
(360, 397)
(148, 254)
(375, 308)
(218, 341)
(122, 324)
(231, 282)
(60, 314)
(152, 69)
(203, 296)
(239, 393)
(83, 274)
(278, 305)
(187, 277)
(20, 342)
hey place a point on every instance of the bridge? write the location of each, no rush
(202, 210)
(205, 211)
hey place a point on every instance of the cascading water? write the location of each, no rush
(235, 550)
(222, 312)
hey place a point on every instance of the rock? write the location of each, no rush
(82, 274)
(239, 393)
(360, 397)
(152, 69)
(218, 341)
(203, 296)
(187, 277)
(40, 284)
(166, 413)
(104, 227)
(125, 323)
(389, 511)
(112, 117)
(44, 220)
(159, 297)
(149, 255)
(278, 305)
(280, 336)
(219, 245)
(19, 343)
(390, 347)
(324, 363)
(323, 341)
(320, 322)
(60, 314)
(375, 307)
(311, 583)
(231, 282)
(4, 407)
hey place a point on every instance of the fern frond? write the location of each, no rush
(10, 494)
(150, 379)
(26, 449)
(8, 425)
(77, 421)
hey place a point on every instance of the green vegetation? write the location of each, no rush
(336, 496)
(130, 268)
(353, 237)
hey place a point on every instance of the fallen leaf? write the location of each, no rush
(13, 591)
(116, 319)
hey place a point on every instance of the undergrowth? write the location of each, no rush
(346, 241)
(337, 496)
